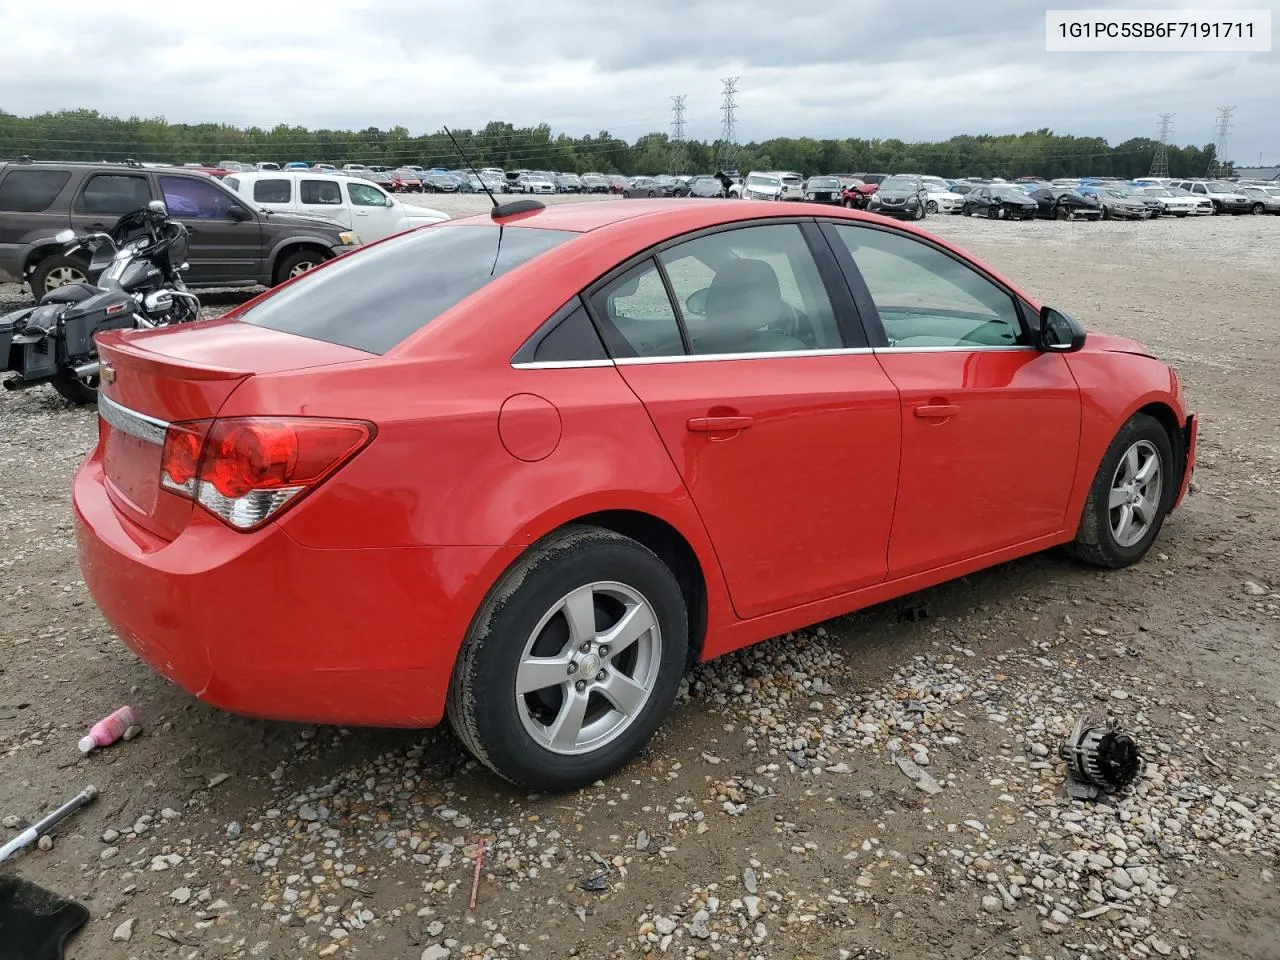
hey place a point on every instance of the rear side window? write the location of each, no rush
(195, 199)
(320, 191)
(271, 191)
(31, 191)
(115, 194)
(375, 298)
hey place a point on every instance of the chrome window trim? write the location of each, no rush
(961, 348)
(757, 355)
(559, 364)
(149, 429)
(760, 355)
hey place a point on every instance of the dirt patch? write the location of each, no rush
(766, 820)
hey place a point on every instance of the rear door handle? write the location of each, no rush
(719, 424)
(931, 411)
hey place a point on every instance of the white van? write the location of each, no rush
(355, 203)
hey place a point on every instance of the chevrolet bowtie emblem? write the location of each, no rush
(106, 373)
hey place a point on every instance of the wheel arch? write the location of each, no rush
(1164, 414)
(294, 245)
(42, 251)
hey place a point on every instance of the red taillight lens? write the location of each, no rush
(244, 470)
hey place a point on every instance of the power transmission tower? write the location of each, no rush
(1160, 162)
(1218, 167)
(677, 134)
(728, 129)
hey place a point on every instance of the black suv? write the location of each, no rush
(232, 243)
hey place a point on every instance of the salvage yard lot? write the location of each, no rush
(766, 819)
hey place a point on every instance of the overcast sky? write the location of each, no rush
(913, 69)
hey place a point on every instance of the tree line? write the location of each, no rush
(88, 135)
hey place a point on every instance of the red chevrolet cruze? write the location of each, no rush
(523, 469)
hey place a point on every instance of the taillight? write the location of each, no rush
(245, 470)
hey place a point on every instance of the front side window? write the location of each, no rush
(187, 197)
(272, 191)
(373, 299)
(320, 191)
(927, 298)
(366, 195)
(636, 316)
(31, 191)
(751, 290)
(115, 194)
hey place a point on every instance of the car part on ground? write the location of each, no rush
(1101, 758)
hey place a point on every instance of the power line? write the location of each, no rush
(677, 134)
(1221, 128)
(1160, 162)
(728, 129)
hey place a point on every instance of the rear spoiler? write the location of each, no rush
(117, 345)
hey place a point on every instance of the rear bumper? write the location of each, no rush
(260, 624)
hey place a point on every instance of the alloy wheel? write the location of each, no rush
(300, 268)
(1136, 490)
(588, 668)
(60, 276)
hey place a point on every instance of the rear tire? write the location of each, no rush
(70, 387)
(525, 619)
(56, 270)
(1103, 539)
(1061, 213)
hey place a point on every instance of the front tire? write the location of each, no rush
(1061, 213)
(1257, 209)
(572, 662)
(298, 263)
(1130, 497)
(933, 206)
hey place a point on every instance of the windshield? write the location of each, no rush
(1071, 193)
(938, 186)
(823, 183)
(372, 299)
(1157, 192)
(1008, 193)
(762, 181)
(1219, 188)
(907, 184)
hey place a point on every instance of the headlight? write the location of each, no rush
(347, 238)
(809, 196)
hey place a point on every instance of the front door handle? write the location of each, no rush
(932, 411)
(719, 424)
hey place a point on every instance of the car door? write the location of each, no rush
(103, 198)
(780, 421)
(225, 245)
(374, 214)
(322, 197)
(990, 425)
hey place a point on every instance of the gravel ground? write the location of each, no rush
(768, 819)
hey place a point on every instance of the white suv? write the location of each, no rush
(353, 202)
(772, 185)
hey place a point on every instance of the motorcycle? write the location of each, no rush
(138, 268)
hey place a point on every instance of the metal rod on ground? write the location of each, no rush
(475, 880)
(43, 826)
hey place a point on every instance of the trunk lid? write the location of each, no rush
(151, 378)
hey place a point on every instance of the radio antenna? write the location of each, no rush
(472, 168)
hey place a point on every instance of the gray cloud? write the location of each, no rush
(920, 69)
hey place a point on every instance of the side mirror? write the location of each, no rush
(239, 214)
(1059, 332)
(157, 206)
(64, 236)
(696, 302)
(390, 202)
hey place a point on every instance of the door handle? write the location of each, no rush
(719, 424)
(929, 411)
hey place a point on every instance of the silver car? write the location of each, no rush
(1262, 199)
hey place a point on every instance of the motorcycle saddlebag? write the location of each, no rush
(31, 352)
(107, 311)
(6, 341)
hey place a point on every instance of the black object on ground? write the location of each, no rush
(35, 923)
(1101, 758)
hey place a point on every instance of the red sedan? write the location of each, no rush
(523, 469)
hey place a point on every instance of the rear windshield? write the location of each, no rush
(375, 298)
